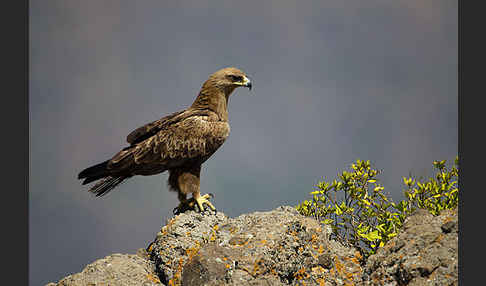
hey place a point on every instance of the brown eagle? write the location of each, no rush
(179, 142)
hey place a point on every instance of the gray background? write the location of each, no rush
(334, 81)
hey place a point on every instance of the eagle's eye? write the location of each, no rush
(235, 77)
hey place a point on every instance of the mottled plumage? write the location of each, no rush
(179, 142)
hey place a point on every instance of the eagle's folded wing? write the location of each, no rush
(150, 129)
(172, 141)
(183, 140)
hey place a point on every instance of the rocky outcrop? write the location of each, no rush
(279, 247)
(115, 269)
(424, 253)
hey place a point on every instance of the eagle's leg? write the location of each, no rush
(184, 204)
(187, 181)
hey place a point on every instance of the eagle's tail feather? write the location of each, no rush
(93, 173)
(106, 185)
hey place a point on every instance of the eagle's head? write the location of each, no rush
(227, 80)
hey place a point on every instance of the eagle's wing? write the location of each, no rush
(172, 141)
(150, 129)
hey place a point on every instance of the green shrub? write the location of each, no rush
(361, 215)
(435, 194)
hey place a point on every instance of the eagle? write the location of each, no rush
(178, 143)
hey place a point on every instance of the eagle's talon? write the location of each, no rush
(204, 200)
(184, 206)
(195, 203)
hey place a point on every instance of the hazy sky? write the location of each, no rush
(333, 81)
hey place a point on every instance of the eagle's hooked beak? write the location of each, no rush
(247, 82)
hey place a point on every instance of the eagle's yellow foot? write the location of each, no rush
(203, 200)
(189, 204)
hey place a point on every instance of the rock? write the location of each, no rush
(279, 247)
(424, 253)
(325, 260)
(116, 269)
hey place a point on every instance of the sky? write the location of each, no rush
(333, 82)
